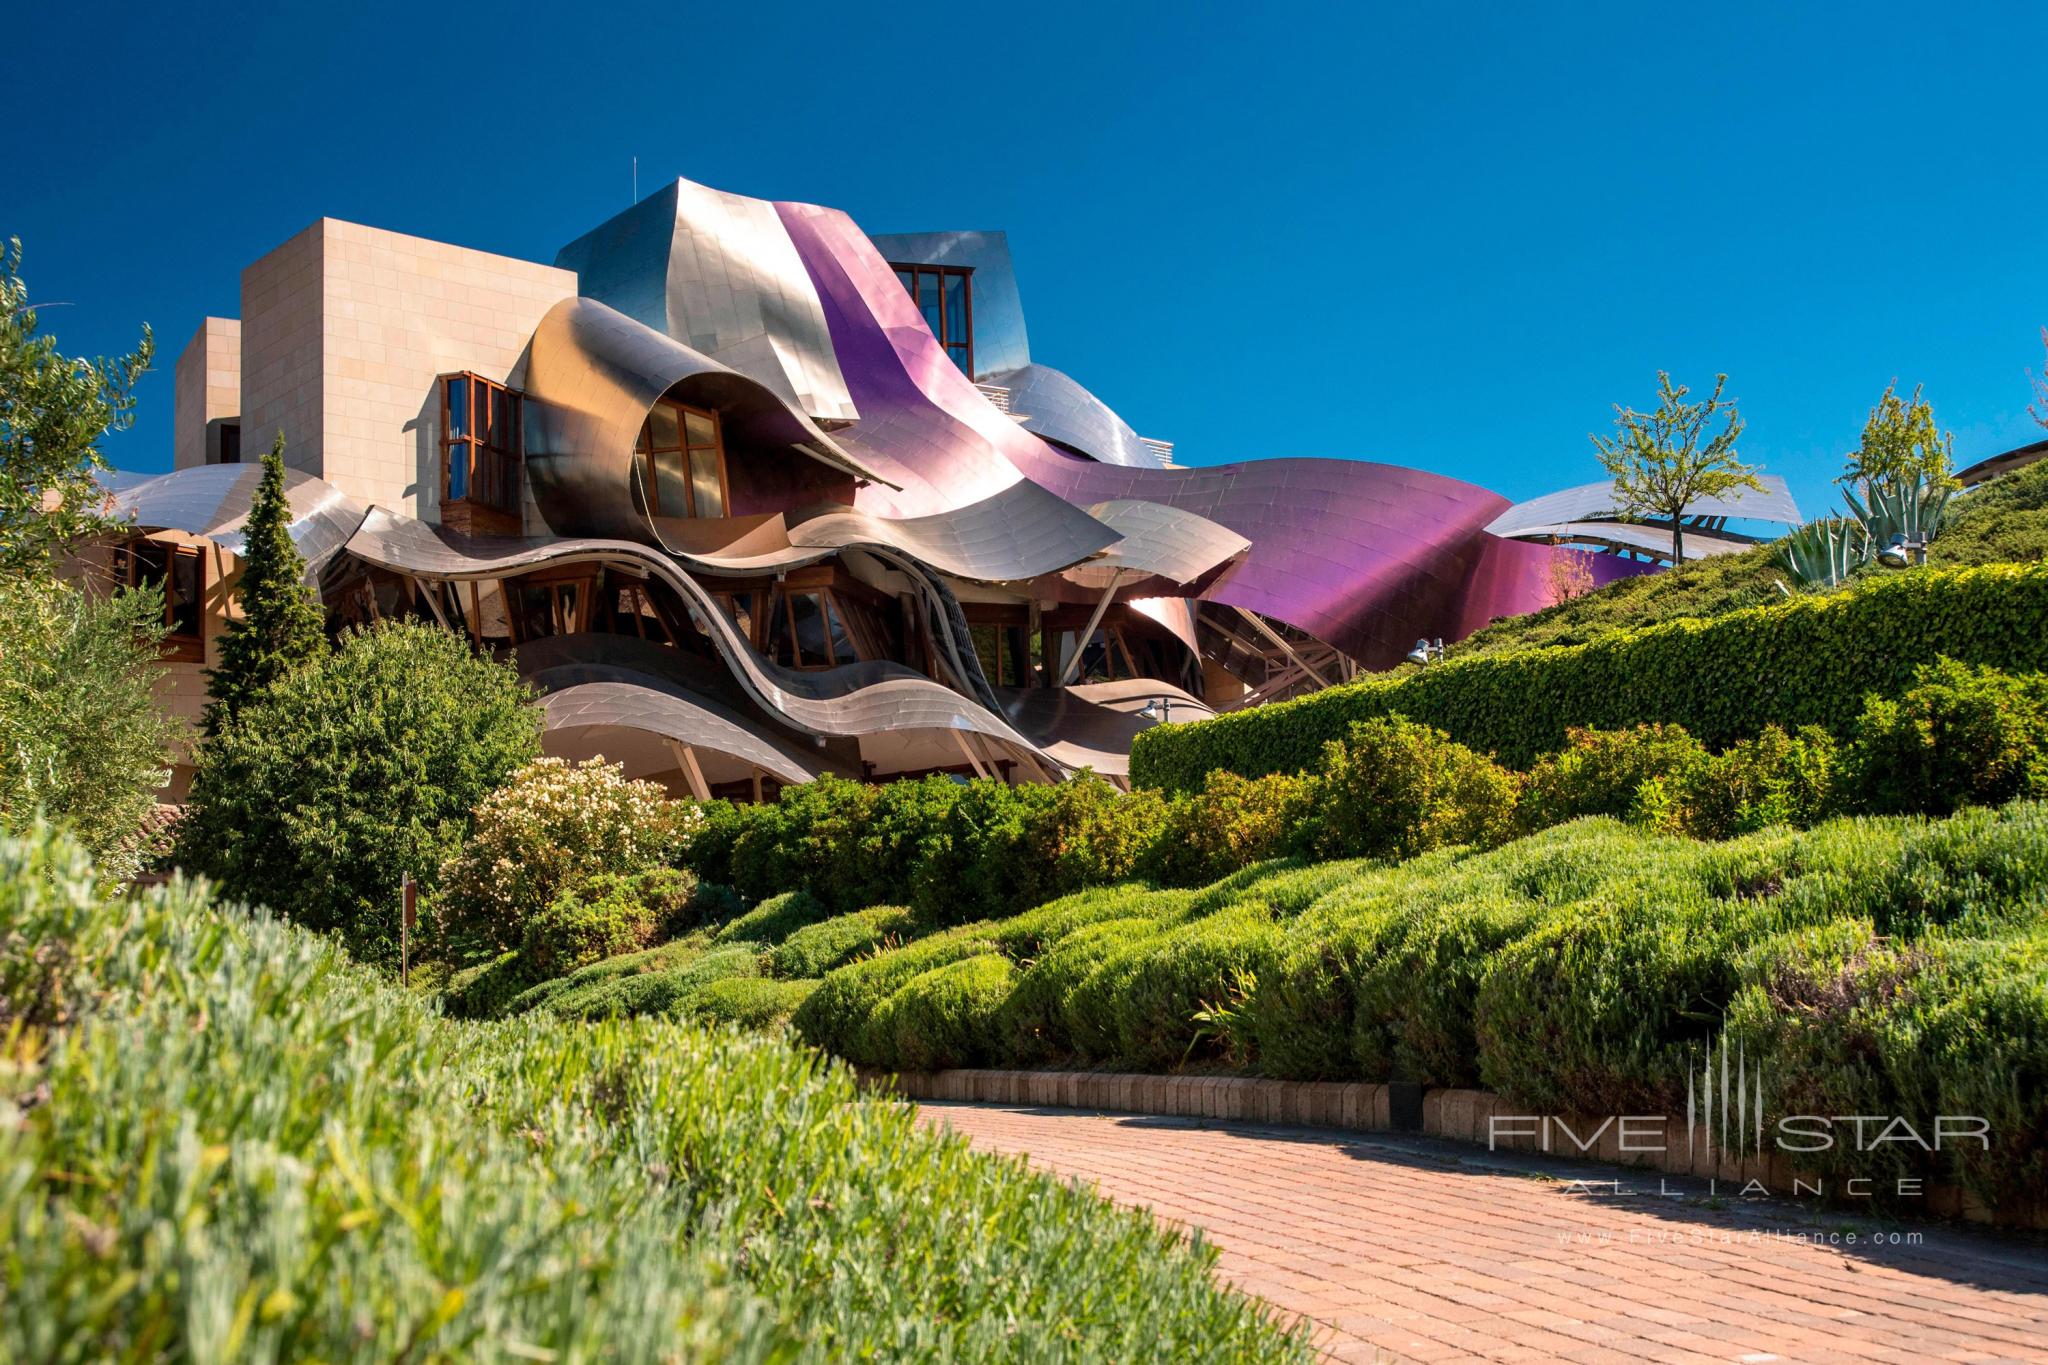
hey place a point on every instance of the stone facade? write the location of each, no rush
(208, 391)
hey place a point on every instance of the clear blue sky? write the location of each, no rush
(1441, 235)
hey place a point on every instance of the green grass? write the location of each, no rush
(240, 1145)
(2004, 521)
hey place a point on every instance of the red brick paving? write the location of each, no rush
(1414, 1249)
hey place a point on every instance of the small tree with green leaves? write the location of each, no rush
(1900, 443)
(54, 410)
(281, 626)
(1664, 461)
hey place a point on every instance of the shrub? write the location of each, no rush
(774, 919)
(747, 1002)
(552, 825)
(81, 738)
(1084, 833)
(1599, 772)
(1396, 789)
(665, 957)
(665, 991)
(488, 989)
(1804, 662)
(1773, 779)
(347, 773)
(1035, 1023)
(817, 948)
(257, 1113)
(807, 840)
(1147, 994)
(1231, 823)
(945, 1017)
(1417, 997)
(1961, 736)
(1601, 1010)
(835, 1016)
(708, 850)
(607, 915)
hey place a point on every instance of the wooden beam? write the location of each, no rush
(1285, 648)
(973, 760)
(686, 759)
(1088, 631)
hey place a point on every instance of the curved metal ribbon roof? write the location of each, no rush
(851, 700)
(1595, 502)
(214, 500)
(1002, 538)
(1655, 539)
(1054, 405)
(1364, 556)
(1093, 725)
(592, 376)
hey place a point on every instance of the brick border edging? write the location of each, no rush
(1357, 1106)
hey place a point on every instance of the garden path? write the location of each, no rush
(1417, 1249)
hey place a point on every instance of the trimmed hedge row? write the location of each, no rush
(241, 1146)
(1582, 969)
(1806, 661)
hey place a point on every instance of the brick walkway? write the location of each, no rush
(1418, 1249)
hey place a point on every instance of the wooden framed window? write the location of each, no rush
(483, 443)
(682, 450)
(179, 571)
(945, 295)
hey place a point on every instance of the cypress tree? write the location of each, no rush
(281, 626)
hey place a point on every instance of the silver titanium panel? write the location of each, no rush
(718, 273)
(877, 697)
(1000, 342)
(1019, 533)
(1595, 502)
(1052, 404)
(592, 373)
(1092, 726)
(1158, 540)
(1636, 536)
(213, 501)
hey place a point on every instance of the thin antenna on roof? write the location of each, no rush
(636, 180)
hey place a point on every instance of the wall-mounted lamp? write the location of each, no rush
(1158, 709)
(1427, 652)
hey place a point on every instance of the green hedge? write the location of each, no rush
(245, 1147)
(1582, 969)
(1806, 661)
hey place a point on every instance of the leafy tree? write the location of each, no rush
(54, 409)
(353, 770)
(281, 626)
(1901, 442)
(81, 738)
(2038, 409)
(1663, 461)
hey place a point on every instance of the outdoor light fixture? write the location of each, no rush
(1158, 709)
(1426, 651)
(1903, 553)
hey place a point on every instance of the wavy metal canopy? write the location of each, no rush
(1595, 502)
(214, 501)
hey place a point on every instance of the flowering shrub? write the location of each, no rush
(552, 825)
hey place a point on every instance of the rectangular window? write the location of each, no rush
(180, 573)
(944, 294)
(683, 461)
(230, 442)
(482, 442)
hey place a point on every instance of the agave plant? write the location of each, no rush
(1911, 511)
(1822, 554)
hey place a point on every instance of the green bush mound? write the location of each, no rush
(665, 992)
(747, 1001)
(774, 919)
(1809, 661)
(1582, 969)
(817, 948)
(945, 1017)
(266, 1152)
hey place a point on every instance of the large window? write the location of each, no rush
(481, 443)
(945, 295)
(179, 572)
(684, 461)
